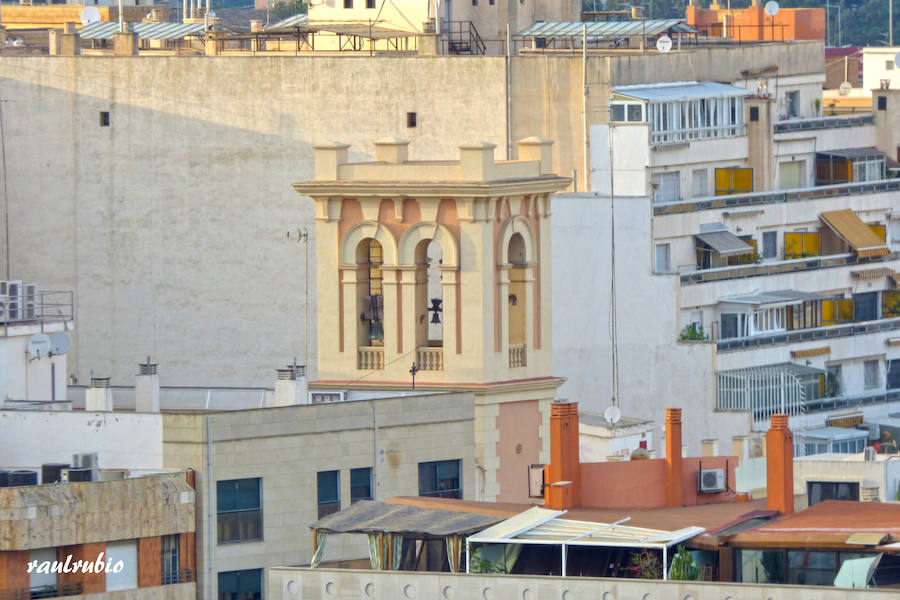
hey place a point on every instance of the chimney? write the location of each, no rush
(538, 149)
(98, 397)
(125, 42)
(673, 457)
(563, 474)
(291, 387)
(146, 388)
(328, 160)
(392, 150)
(476, 161)
(780, 465)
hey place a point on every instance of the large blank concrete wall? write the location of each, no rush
(171, 224)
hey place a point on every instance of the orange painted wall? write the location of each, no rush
(149, 562)
(14, 569)
(753, 24)
(519, 425)
(641, 483)
(94, 583)
(187, 551)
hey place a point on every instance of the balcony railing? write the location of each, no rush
(36, 307)
(853, 400)
(824, 123)
(182, 576)
(806, 335)
(776, 197)
(370, 358)
(46, 591)
(517, 356)
(785, 266)
(430, 359)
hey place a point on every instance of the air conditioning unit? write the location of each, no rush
(29, 302)
(710, 481)
(13, 291)
(4, 307)
(326, 397)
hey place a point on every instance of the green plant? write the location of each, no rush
(480, 564)
(683, 566)
(646, 564)
(692, 332)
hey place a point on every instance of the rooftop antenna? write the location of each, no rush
(413, 370)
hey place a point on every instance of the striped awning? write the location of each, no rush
(873, 273)
(852, 230)
(725, 243)
(106, 30)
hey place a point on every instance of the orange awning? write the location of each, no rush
(852, 230)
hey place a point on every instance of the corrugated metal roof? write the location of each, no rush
(292, 21)
(368, 516)
(605, 28)
(539, 526)
(105, 30)
(680, 90)
(725, 243)
(852, 230)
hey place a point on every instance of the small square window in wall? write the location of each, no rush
(882, 103)
(410, 119)
(348, 3)
(474, 2)
(370, 3)
(754, 113)
(104, 118)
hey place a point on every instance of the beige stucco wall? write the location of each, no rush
(178, 591)
(65, 514)
(25, 377)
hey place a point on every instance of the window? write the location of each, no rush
(329, 492)
(865, 306)
(888, 65)
(792, 104)
(170, 562)
(801, 244)
(127, 578)
(666, 187)
(440, 479)
(37, 579)
(734, 180)
(882, 103)
(893, 374)
(870, 373)
(370, 4)
(474, 2)
(104, 118)
(833, 381)
(239, 510)
(240, 585)
(807, 567)
(410, 119)
(626, 112)
(759, 566)
(695, 119)
(817, 491)
(662, 258)
(348, 3)
(700, 187)
(360, 484)
(754, 113)
(770, 244)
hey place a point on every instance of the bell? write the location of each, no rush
(435, 318)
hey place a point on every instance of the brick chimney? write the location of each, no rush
(673, 457)
(563, 474)
(780, 466)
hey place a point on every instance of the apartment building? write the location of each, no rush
(772, 238)
(130, 537)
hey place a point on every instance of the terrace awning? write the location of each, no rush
(770, 299)
(725, 243)
(680, 91)
(106, 30)
(367, 516)
(575, 29)
(850, 228)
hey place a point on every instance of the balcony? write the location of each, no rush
(776, 197)
(370, 358)
(806, 335)
(22, 304)
(776, 268)
(429, 359)
(824, 123)
(173, 577)
(47, 591)
(517, 356)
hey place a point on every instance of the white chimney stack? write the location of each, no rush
(146, 388)
(291, 387)
(98, 397)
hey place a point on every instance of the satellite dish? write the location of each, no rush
(844, 88)
(19, 42)
(90, 15)
(771, 8)
(38, 345)
(664, 43)
(60, 343)
(613, 414)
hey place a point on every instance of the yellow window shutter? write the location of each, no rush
(723, 181)
(811, 244)
(743, 181)
(879, 231)
(793, 245)
(828, 316)
(890, 303)
(845, 311)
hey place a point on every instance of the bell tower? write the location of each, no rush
(441, 268)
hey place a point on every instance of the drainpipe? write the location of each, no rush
(584, 81)
(375, 450)
(210, 515)
(508, 96)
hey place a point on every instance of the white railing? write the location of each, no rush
(517, 356)
(762, 391)
(430, 359)
(370, 358)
